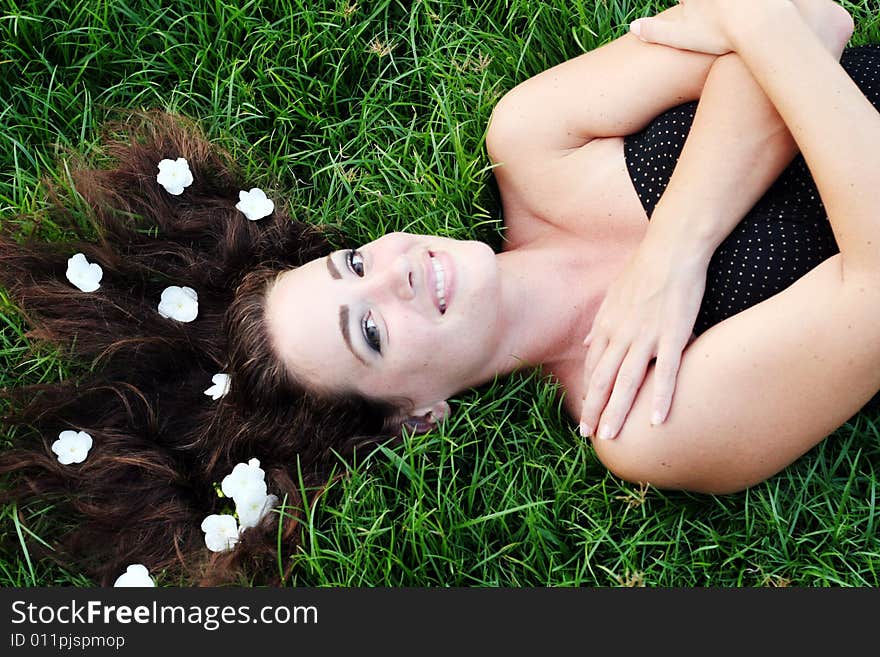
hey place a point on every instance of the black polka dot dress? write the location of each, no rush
(782, 237)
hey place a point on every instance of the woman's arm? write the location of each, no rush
(540, 128)
(835, 126)
(737, 146)
(738, 143)
(611, 91)
(761, 388)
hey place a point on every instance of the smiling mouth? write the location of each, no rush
(440, 279)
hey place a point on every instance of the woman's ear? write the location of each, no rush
(424, 419)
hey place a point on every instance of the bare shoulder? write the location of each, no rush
(585, 190)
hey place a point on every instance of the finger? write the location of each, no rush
(657, 30)
(674, 33)
(626, 387)
(594, 354)
(588, 339)
(600, 384)
(665, 375)
(636, 27)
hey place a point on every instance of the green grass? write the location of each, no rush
(371, 116)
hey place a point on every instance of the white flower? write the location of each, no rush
(135, 575)
(252, 506)
(180, 303)
(220, 387)
(221, 532)
(174, 175)
(255, 204)
(84, 274)
(72, 446)
(244, 479)
(246, 484)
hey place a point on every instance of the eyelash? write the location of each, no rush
(349, 260)
(368, 327)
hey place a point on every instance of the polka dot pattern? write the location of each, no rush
(783, 236)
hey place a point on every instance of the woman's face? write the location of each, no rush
(406, 316)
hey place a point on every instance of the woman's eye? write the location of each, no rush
(355, 262)
(371, 333)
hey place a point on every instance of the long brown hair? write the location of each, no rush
(160, 443)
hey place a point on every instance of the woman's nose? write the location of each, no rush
(396, 279)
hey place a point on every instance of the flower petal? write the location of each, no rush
(179, 303)
(255, 204)
(244, 477)
(220, 387)
(251, 509)
(136, 575)
(221, 532)
(174, 175)
(82, 274)
(72, 446)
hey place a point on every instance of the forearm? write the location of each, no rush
(836, 128)
(611, 91)
(737, 146)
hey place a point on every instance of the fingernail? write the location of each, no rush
(586, 430)
(657, 418)
(636, 28)
(605, 432)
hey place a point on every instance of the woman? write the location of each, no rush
(419, 318)
(356, 345)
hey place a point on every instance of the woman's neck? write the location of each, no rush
(551, 291)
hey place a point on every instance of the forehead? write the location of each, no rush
(302, 313)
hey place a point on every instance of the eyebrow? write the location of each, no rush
(343, 312)
(343, 326)
(331, 267)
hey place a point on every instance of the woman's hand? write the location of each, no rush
(649, 311)
(702, 26)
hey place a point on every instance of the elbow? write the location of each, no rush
(667, 468)
(627, 462)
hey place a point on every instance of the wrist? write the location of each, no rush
(692, 234)
(746, 23)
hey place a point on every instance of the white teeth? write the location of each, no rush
(441, 283)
